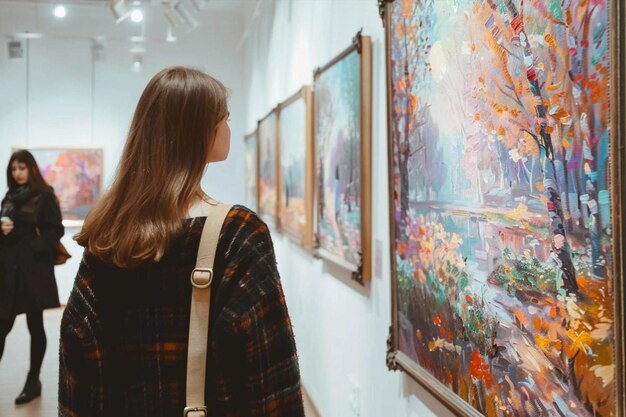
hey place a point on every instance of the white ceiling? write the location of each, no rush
(237, 6)
(93, 19)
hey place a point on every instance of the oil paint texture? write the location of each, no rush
(267, 169)
(503, 276)
(338, 147)
(293, 154)
(75, 174)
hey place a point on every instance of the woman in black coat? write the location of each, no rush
(31, 228)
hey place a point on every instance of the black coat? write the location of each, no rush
(27, 281)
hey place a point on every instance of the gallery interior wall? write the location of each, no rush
(341, 328)
(47, 99)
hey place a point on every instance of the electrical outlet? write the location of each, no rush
(355, 396)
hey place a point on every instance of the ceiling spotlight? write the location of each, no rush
(119, 10)
(136, 15)
(137, 62)
(170, 36)
(172, 17)
(186, 14)
(16, 50)
(199, 4)
(59, 11)
(180, 13)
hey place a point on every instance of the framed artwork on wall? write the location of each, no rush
(76, 176)
(268, 169)
(295, 136)
(506, 197)
(343, 107)
(251, 170)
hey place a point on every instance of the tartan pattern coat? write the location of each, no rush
(123, 347)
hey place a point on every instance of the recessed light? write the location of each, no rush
(59, 11)
(136, 15)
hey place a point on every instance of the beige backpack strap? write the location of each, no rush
(201, 278)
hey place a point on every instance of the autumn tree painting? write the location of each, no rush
(500, 154)
(296, 176)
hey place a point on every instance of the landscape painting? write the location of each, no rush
(295, 210)
(251, 172)
(267, 185)
(76, 175)
(342, 209)
(504, 194)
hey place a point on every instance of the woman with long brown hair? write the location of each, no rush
(31, 228)
(124, 332)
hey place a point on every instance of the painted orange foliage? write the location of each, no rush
(479, 369)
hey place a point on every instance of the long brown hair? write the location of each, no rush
(36, 182)
(170, 137)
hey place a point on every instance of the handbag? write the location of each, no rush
(61, 254)
(201, 278)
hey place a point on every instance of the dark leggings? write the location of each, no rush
(38, 339)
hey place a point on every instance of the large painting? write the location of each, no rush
(76, 175)
(342, 142)
(295, 210)
(505, 201)
(268, 184)
(251, 172)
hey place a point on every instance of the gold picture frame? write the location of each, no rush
(398, 359)
(299, 230)
(267, 184)
(330, 229)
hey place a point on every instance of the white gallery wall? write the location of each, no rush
(57, 96)
(341, 328)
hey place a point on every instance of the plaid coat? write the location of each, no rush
(123, 347)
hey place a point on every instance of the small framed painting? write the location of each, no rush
(251, 173)
(268, 169)
(343, 106)
(76, 176)
(295, 136)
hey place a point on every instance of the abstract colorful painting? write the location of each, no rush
(75, 174)
(268, 186)
(342, 120)
(251, 172)
(502, 198)
(295, 210)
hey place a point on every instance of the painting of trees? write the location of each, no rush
(506, 104)
(342, 135)
(268, 187)
(295, 211)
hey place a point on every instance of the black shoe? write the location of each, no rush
(32, 390)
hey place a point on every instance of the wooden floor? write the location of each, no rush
(15, 363)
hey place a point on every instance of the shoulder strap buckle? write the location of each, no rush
(189, 410)
(201, 277)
